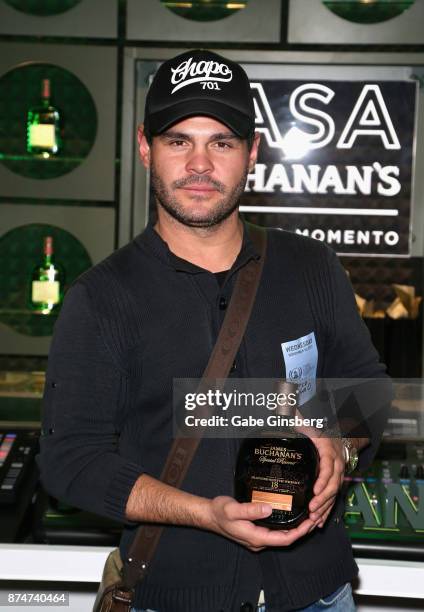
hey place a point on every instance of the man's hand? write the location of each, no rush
(155, 502)
(330, 478)
(234, 521)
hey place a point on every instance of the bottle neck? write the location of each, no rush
(288, 394)
(48, 250)
(45, 92)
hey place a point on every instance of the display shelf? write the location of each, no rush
(83, 92)
(21, 248)
(20, 91)
(83, 236)
(46, 562)
(21, 384)
(52, 562)
(21, 396)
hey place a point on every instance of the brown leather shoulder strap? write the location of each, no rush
(183, 449)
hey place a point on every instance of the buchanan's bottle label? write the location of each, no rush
(273, 481)
(42, 135)
(277, 454)
(45, 292)
(278, 501)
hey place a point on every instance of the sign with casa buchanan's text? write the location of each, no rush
(335, 162)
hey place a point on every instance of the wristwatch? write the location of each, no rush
(350, 455)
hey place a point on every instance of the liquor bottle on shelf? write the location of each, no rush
(47, 282)
(278, 468)
(43, 126)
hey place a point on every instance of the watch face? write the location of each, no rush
(351, 455)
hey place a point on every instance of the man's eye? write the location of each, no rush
(223, 145)
(177, 143)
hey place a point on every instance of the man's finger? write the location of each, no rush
(319, 513)
(250, 511)
(325, 473)
(329, 492)
(325, 517)
(259, 537)
(332, 486)
(285, 538)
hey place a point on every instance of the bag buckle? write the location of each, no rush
(123, 595)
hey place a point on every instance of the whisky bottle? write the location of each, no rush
(280, 469)
(47, 282)
(43, 126)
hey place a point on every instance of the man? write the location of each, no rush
(151, 312)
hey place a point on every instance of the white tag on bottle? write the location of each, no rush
(301, 360)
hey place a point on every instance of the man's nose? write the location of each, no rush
(199, 161)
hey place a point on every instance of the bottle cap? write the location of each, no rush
(45, 91)
(287, 388)
(48, 245)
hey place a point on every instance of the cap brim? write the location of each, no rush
(238, 122)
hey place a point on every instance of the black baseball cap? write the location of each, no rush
(200, 82)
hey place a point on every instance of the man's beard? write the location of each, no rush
(221, 210)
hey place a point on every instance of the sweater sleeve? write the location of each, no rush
(351, 355)
(85, 392)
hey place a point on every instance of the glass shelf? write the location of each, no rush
(25, 311)
(37, 159)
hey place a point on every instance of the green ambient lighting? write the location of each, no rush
(205, 10)
(42, 8)
(368, 11)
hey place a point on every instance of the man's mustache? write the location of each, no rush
(199, 180)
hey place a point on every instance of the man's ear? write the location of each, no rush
(143, 146)
(253, 153)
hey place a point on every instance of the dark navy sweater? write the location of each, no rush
(130, 325)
